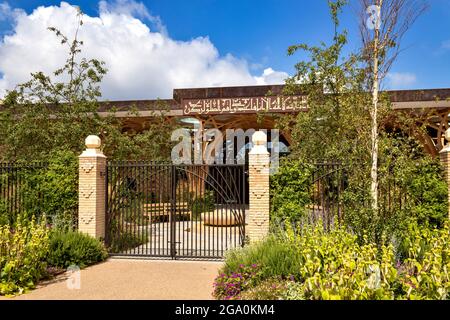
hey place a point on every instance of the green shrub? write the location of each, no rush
(68, 248)
(272, 289)
(334, 265)
(64, 221)
(126, 240)
(202, 204)
(59, 184)
(425, 273)
(50, 189)
(274, 256)
(229, 286)
(289, 191)
(5, 217)
(23, 249)
(409, 189)
(427, 191)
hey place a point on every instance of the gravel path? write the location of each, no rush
(134, 279)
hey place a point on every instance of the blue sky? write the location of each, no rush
(259, 32)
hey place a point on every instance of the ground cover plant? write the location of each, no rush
(32, 249)
(23, 249)
(320, 264)
(74, 248)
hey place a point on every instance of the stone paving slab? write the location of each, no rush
(134, 279)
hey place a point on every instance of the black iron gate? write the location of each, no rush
(177, 211)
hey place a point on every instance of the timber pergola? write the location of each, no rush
(241, 107)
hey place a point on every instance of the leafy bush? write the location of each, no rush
(289, 191)
(126, 240)
(230, 285)
(425, 272)
(50, 189)
(274, 256)
(271, 289)
(64, 221)
(205, 203)
(58, 184)
(409, 190)
(4, 215)
(427, 191)
(68, 248)
(22, 255)
(334, 265)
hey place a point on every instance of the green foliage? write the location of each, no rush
(20, 191)
(5, 216)
(125, 240)
(58, 184)
(411, 187)
(228, 286)
(337, 126)
(56, 112)
(427, 190)
(426, 270)
(64, 221)
(337, 123)
(74, 248)
(205, 203)
(23, 249)
(50, 189)
(274, 257)
(271, 289)
(289, 191)
(334, 265)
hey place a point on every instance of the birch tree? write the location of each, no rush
(383, 24)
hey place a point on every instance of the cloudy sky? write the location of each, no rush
(152, 47)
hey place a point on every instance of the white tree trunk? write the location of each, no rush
(374, 131)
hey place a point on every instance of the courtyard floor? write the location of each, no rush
(134, 279)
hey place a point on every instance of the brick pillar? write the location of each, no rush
(259, 166)
(91, 189)
(444, 154)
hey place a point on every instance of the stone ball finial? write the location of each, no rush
(259, 138)
(447, 134)
(93, 142)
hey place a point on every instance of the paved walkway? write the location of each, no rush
(135, 280)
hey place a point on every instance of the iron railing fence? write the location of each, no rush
(336, 188)
(21, 192)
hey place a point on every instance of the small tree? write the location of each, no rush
(338, 126)
(57, 112)
(381, 34)
(335, 126)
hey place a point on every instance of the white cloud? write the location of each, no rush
(446, 44)
(399, 80)
(142, 63)
(5, 11)
(8, 13)
(133, 9)
(271, 76)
